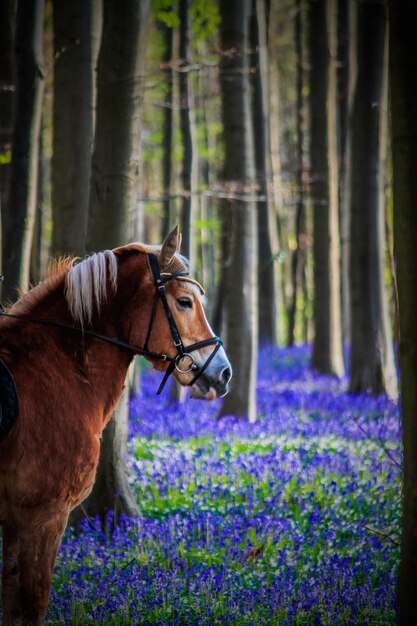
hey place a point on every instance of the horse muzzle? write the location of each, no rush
(214, 381)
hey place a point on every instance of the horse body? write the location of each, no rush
(68, 385)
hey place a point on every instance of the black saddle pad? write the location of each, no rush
(9, 403)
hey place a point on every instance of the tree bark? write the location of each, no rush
(76, 25)
(345, 8)
(327, 355)
(241, 277)
(403, 101)
(371, 357)
(187, 216)
(115, 162)
(168, 129)
(20, 215)
(7, 13)
(267, 227)
(115, 173)
(298, 257)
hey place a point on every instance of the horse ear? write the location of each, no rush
(169, 248)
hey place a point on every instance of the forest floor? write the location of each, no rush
(292, 520)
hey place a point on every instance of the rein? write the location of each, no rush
(182, 351)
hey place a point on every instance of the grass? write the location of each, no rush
(291, 521)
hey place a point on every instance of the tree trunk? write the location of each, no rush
(403, 101)
(76, 24)
(36, 265)
(187, 217)
(278, 195)
(327, 355)
(298, 258)
(345, 9)
(371, 357)
(115, 163)
(241, 277)
(114, 185)
(20, 215)
(6, 101)
(167, 130)
(267, 227)
(208, 211)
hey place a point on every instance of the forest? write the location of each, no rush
(279, 136)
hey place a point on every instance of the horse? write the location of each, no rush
(68, 343)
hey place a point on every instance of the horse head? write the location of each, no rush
(176, 324)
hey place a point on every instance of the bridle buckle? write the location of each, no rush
(192, 365)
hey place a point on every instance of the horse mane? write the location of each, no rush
(86, 284)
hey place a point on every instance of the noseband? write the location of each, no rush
(183, 352)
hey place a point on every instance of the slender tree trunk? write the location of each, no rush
(114, 185)
(298, 258)
(343, 99)
(241, 277)
(22, 195)
(76, 25)
(327, 346)
(7, 13)
(371, 357)
(37, 247)
(187, 217)
(278, 198)
(226, 238)
(207, 211)
(267, 228)
(168, 128)
(403, 101)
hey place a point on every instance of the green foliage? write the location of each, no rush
(165, 11)
(5, 157)
(205, 18)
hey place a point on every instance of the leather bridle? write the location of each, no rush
(183, 352)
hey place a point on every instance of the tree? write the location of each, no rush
(76, 23)
(371, 355)
(187, 211)
(20, 215)
(167, 128)
(298, 257)
(6, 98)
(403, 101)
(267, 229)
(241, 276)
(327, 346)
(114, 184)
(115, 161)
(344, 50)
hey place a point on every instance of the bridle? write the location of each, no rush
(182, 351)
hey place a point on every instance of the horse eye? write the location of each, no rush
(186, 303)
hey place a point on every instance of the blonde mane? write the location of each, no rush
(86, 285)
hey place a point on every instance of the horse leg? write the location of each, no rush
(37, 548)
(10, 574)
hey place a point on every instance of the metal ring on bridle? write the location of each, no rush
(192, 365)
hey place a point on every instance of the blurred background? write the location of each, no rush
(260, 127)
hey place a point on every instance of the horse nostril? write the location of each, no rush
(226, 375)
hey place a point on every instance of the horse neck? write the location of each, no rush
(101, 364)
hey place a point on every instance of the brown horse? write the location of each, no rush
(68, 343)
